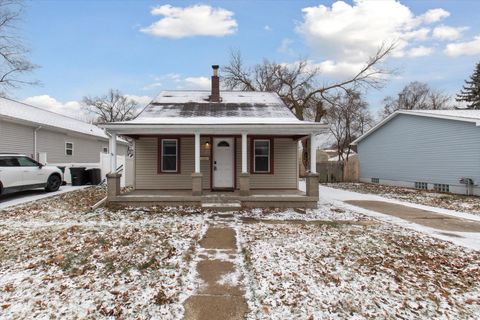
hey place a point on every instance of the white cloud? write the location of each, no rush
(448, 33)
(267, 28)
(153, 85)
(468, 48)
(71, 108)
(339, 69)
(420, 51)
(286, 47)
(435, 15)
(345, 35)
(199, 83)
(196, 20)
(141, 100)
(74, 109)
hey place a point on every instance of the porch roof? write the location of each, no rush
(281, 128)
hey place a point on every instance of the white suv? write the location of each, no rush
(19, 172)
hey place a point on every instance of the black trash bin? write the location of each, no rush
(78, 176)
(94, 176)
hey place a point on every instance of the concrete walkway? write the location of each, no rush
(423, 217)
(221, 296)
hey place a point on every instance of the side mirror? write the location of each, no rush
(40, 166)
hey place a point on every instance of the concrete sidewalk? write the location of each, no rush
(222, 296)
(423, 217)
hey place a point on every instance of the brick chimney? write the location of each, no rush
(215, 95)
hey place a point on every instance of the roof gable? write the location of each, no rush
(27, 113)
(471, 116)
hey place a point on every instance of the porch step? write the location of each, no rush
(222, 206)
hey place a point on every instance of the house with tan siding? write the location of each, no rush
(215, 149)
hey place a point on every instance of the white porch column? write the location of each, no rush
(313, 153)
(244, 153)
(113, 152)
(197, 152)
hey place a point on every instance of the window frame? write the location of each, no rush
(160, 156)
(66, 149)
(253, 155)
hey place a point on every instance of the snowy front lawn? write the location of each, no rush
(334, 270)
(469, 204)
(57, 260)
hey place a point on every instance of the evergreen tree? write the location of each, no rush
(470, 92)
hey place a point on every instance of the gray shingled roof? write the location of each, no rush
(171, 106)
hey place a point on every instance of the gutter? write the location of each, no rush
(35, 156)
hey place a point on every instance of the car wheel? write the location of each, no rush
(53, 183)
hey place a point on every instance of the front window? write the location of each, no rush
(68, 148)
(261, 156)
(169, 155)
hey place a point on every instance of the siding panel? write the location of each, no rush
(413, 148)
(16, 138)
(285, 166)
(85, 150)
(146, 152)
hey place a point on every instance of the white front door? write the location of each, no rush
(223, 160)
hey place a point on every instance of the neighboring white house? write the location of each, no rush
(427, 149)
(52, 138)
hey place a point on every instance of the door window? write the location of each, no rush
(223, 144)
(27, 162)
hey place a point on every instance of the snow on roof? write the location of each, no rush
(457, 113)
(236, 107)
(472, 116)
(24, 112)
(202, 96)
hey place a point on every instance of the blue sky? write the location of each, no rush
(86, 47)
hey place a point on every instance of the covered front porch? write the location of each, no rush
(190, 179)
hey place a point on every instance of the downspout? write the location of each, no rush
(35, 156)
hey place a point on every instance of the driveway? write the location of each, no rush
(419, 216)
(458, 227)
(22, 197)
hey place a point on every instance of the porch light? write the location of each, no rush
(207, 145)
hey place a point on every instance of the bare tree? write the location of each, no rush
(299, 85)
(416, 96)
(111, 107)
(348, 117)
(14, 63)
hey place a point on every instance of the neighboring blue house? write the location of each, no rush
(425, 149)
